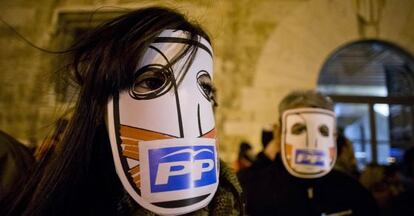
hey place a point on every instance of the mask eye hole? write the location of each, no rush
(298, 128)
(324, 130)
(205, 85)
(148, 82)
(151, 81)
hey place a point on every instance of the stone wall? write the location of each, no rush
(263, 49)
(298, 47)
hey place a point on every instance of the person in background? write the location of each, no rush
(267, 135)
(345, 161)
(408, 168)
(245, 157)
(403, 203)
(293, 175)
(384, 183)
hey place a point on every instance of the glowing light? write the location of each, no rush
(391, 159)
(382, 109)
(360, 155)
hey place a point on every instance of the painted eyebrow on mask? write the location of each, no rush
(180, 76)
(171, 76)
(183, 41)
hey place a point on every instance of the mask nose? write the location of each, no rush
(312, 141)
(196, 114)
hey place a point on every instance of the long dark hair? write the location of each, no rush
(80, 178)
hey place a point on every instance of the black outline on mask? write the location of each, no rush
(199, 120)
(206, 133)
(181, 203)
(177, 100)
(167, 72)
(123, 160)
(171, 79)
(166, 86)
(183, 41)
(180, 76)
(199, 74)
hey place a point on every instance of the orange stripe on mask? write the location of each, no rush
(134, 170)
(288, 149)
(137, 179)
(210, 134)
(332, 153)
(131, 154)
(141, 134)
(131, 148)
(129, 142)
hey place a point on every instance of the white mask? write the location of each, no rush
(308, 142)
(162, 130)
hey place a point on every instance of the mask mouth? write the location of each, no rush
(312, 159)
(307, 162)
(177, 175)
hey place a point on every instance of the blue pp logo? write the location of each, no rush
(178, 168)
(310, 157)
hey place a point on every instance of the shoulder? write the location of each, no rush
(344, 179)
(227, 200)
(349, 190)
(344, 183)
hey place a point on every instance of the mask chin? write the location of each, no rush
(178, 175)
(308, 145)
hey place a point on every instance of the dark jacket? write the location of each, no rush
(270, 190)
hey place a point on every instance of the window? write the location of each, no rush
(372, 85)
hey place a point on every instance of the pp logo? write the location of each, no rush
(178, 168)
(310, 157)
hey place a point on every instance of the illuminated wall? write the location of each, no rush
(263, 49)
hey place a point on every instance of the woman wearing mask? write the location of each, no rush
(141, 140)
